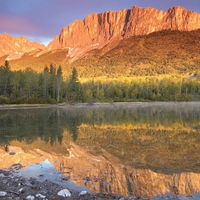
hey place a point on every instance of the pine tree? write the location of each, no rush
(58, 82)
(74, 89)
(6, 77)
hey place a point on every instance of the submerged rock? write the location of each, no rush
(64, 193)
(3, 194)
(21, 190)
(30, 197)
(40, 196)
(82, 193)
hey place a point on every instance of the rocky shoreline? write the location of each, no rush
(17, 188)
(13, 187)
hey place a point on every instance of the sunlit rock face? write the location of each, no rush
(16, 47)
(96, 30)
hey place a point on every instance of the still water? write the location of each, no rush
(140, 149)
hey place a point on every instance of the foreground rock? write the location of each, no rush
(15, 187)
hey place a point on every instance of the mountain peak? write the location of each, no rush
(5, 35)
(178, 8)
(96, 30)
(99, 29)
(16, 47)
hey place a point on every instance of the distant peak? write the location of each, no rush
(21, 37)
(179, 8)
(5, 35)
(15, 47)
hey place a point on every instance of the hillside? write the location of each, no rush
(163, 52)
(38, 62)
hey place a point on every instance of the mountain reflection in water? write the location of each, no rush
(143, 149)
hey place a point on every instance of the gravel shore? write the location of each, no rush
(13, 187)
(17, 188)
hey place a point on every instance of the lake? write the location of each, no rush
(139, 149)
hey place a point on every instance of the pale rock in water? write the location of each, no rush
(82, 193)
(21, 190)
(30, 197)
(40, 196)
(64, 193)
(3, 194)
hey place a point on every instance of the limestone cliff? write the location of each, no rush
(96, 30)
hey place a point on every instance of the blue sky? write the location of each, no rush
(41, 20)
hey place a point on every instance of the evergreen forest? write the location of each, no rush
(50, 87)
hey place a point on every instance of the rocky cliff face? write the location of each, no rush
(16, 47)
(96, 30)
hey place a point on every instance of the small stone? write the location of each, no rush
(21, 190)
(41, 175)
(64, 193)
(40, 196)
(30, 197)
(4, 181)
(3, 194)
(82, 193)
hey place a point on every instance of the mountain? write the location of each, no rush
(136, 41)
(97, 30)
(14, 48)
(162, 52)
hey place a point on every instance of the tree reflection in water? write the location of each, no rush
(115, 142)
(141, 135)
